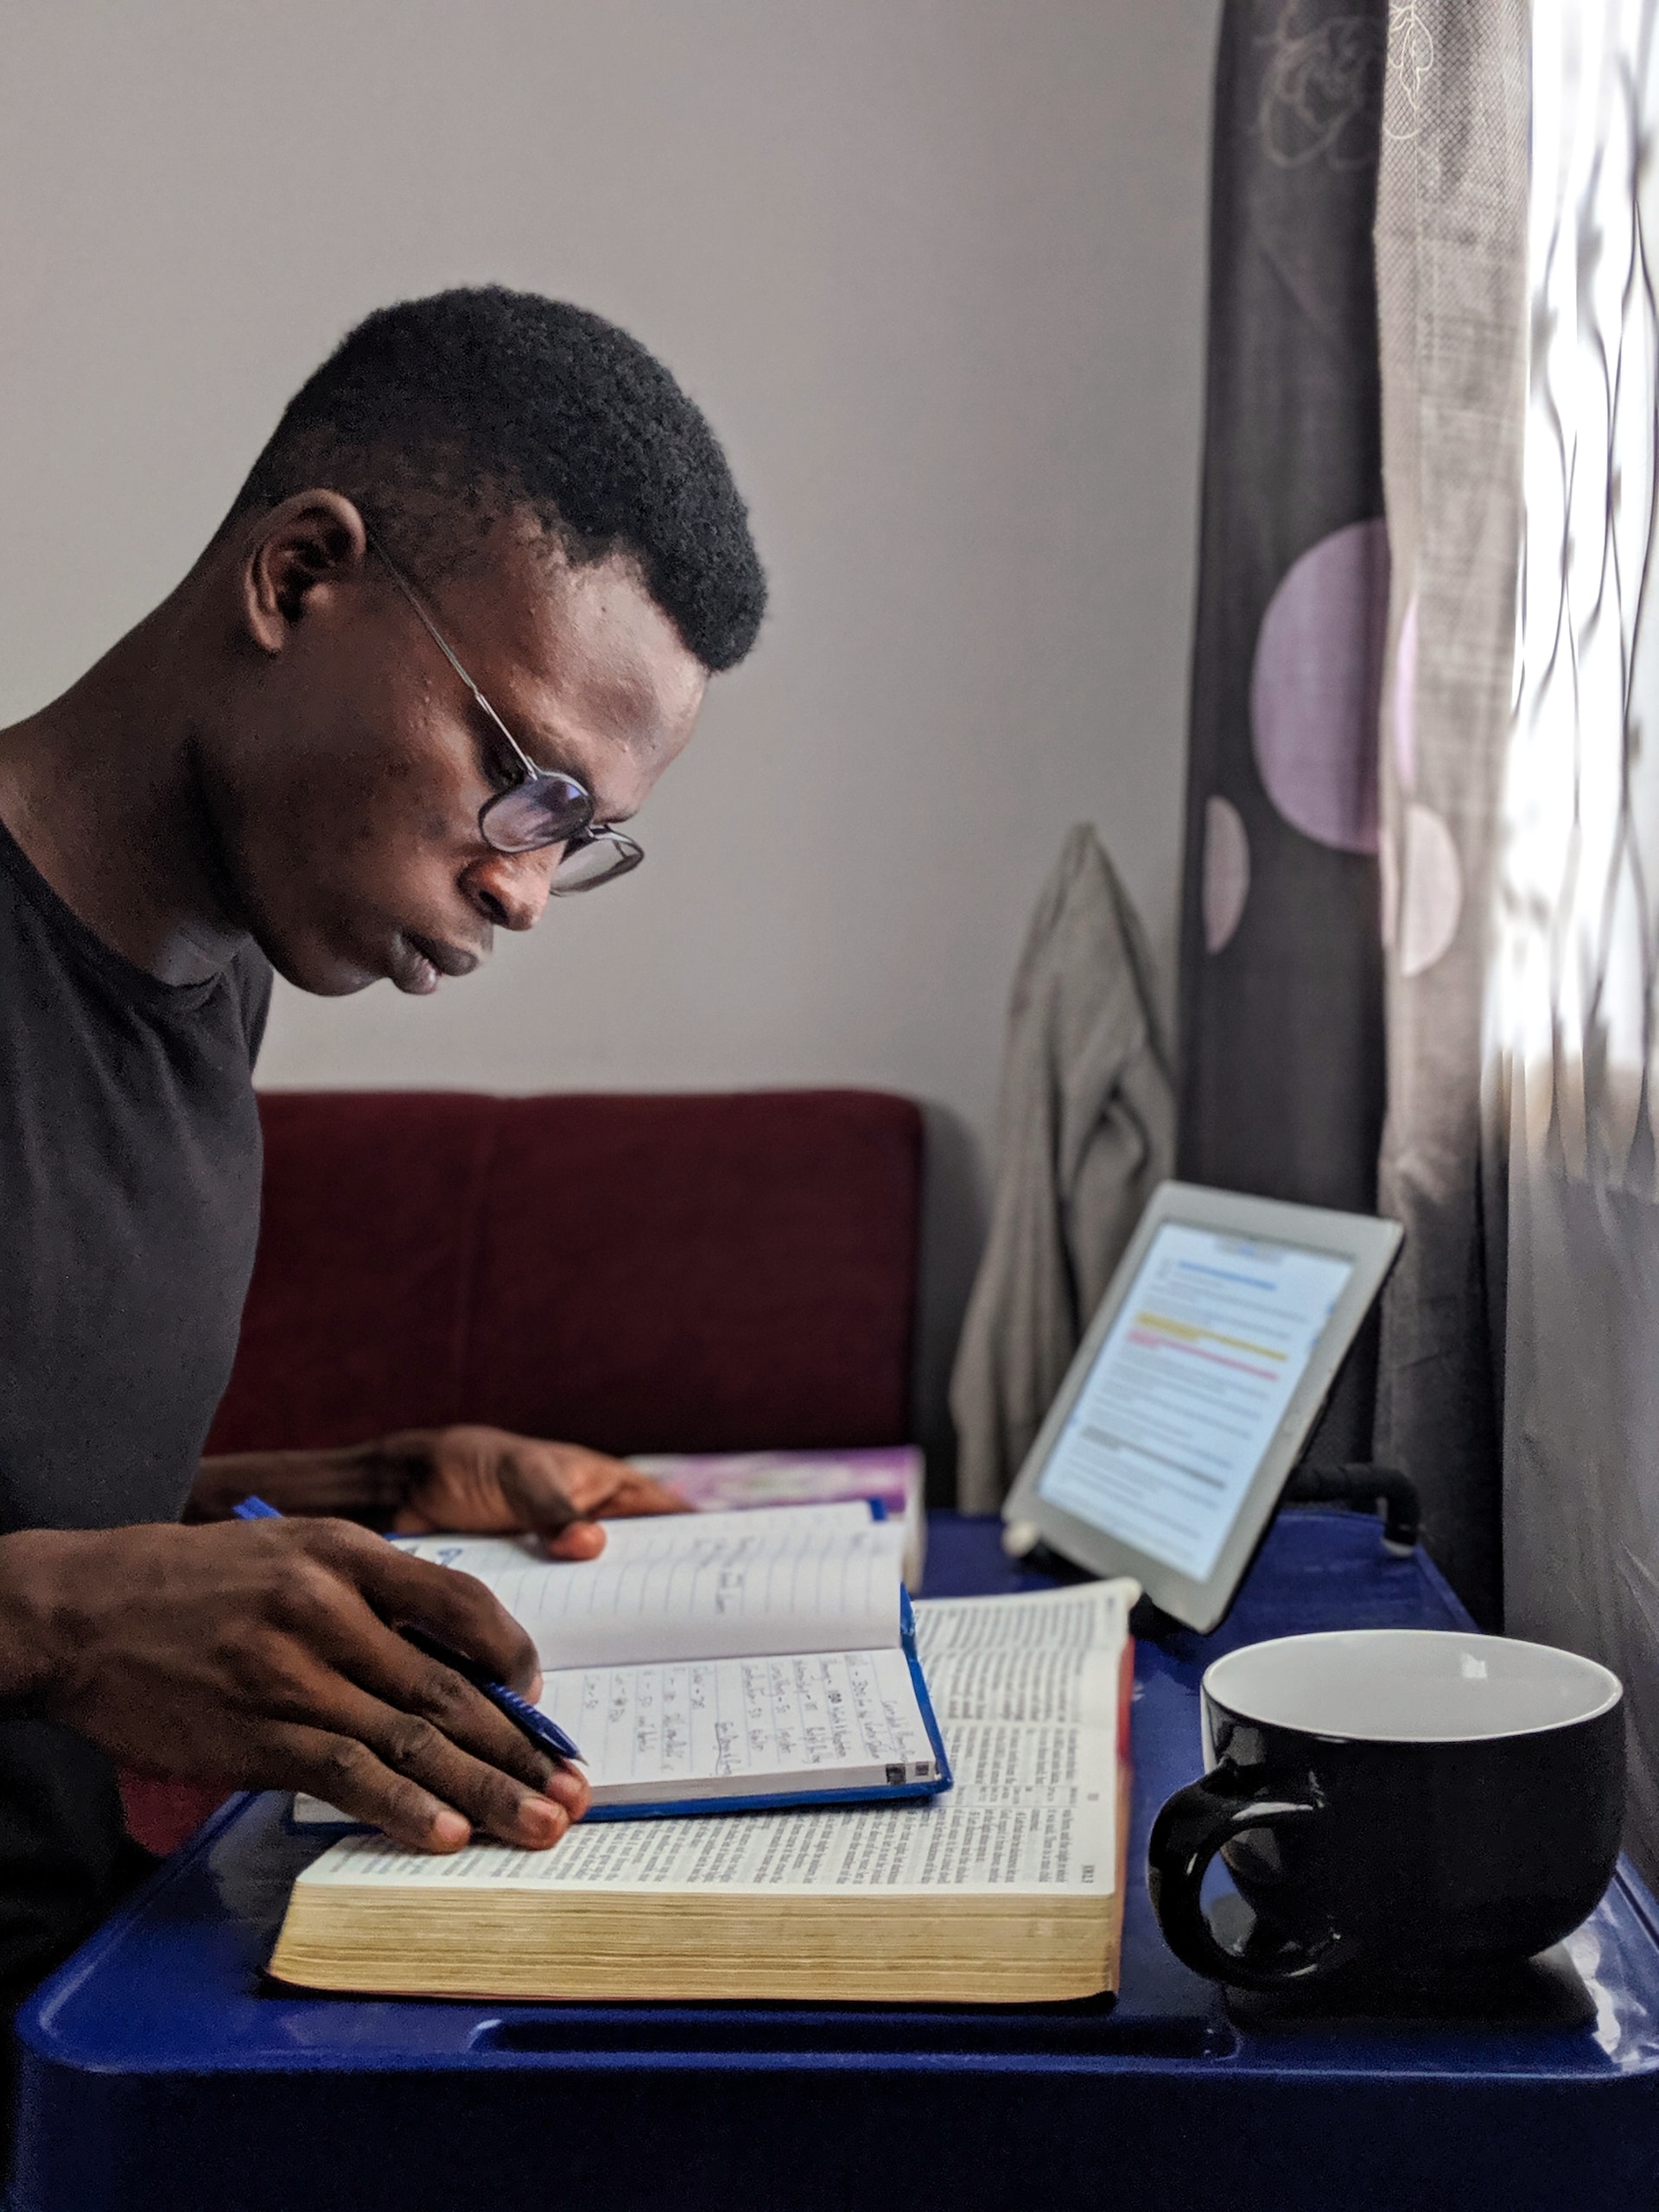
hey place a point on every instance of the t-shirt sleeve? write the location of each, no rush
(253, 975)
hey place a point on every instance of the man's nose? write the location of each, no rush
(510, 889)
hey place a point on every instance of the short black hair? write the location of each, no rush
(437, 415)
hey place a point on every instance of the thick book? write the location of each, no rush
(1006, 1889)
(721, 1660)
(891, 1475)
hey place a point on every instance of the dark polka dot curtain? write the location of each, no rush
(1281, 983)
(1281, 975)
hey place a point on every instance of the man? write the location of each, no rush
(458, 622)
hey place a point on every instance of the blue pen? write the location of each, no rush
(545, 1734)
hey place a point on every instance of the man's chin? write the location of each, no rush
(321, 978)
(332, 985)
(417, 987)
(326, 971)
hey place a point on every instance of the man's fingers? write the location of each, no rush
(415, 1683)
(562, 1483)
(583, 1478)
(577, 1540)
(637, 1494)
(413, 1749)
(377, 1660)
(569, 1786)
(344, 1772)
(454, 1606)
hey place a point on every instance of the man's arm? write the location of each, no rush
(470, 1478)
(265, 1654)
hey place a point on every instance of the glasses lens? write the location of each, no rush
(547, 810)
(594, 862)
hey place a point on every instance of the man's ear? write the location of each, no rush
(306, 550)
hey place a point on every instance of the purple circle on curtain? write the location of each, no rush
(1226, 884)
(1405, 699)
(1317, 685)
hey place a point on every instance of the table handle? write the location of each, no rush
(1189, 1831)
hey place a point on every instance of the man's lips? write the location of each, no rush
(418, 961)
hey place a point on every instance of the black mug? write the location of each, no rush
(1398, 1806)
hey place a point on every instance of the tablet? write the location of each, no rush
(1193, 1392)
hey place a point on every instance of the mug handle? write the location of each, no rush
(1187, 1833)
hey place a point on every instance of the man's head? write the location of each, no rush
(569, 524)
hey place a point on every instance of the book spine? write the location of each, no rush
(1125, 1696)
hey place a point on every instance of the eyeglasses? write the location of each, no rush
(542, 806)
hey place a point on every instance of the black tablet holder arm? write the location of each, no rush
(1367, 1488)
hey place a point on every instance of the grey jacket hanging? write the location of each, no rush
(1086, 1131)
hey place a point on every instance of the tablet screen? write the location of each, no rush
(1188, 1390)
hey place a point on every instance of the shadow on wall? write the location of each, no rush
(955, 1211)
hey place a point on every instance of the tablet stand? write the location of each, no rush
(1367, 1488)
(1361, 1484)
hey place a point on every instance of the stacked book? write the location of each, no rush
(953, 1774)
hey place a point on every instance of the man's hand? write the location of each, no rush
(481, 1480)
(266, 1655)
(472, 1479)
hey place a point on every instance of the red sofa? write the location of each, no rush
(708, 1273)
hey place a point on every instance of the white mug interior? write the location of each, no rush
(1410, 1686)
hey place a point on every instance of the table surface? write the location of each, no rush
(158, 2043)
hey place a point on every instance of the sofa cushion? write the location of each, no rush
(704, 1273)
(644, 1274)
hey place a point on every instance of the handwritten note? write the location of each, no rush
(829, 1721)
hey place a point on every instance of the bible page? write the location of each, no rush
(697, 1586)
(1042, 1819)
(978, 1839)
(1049, 1655)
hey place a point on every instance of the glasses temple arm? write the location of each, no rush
(439, 641)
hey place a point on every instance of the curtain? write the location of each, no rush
(1570, 1009)
(1281, 988)
(1517, 203)
(1451, 261)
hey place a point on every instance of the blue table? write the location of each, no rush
(157, 2072)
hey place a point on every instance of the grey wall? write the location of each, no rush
(934, 270)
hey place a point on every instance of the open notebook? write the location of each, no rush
(721, 1659)
(1008, 1888)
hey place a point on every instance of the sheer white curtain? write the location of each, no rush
(1569, 1030)
(1450, 268)
(1517, 270)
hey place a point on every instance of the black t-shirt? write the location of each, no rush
(129, 1206)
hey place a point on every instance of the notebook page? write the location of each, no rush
(988, 1836)
(703, 1586)
(718, 1727)
(731, 1727)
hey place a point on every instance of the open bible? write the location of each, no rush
(721, 1659)
(1008, 1887)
